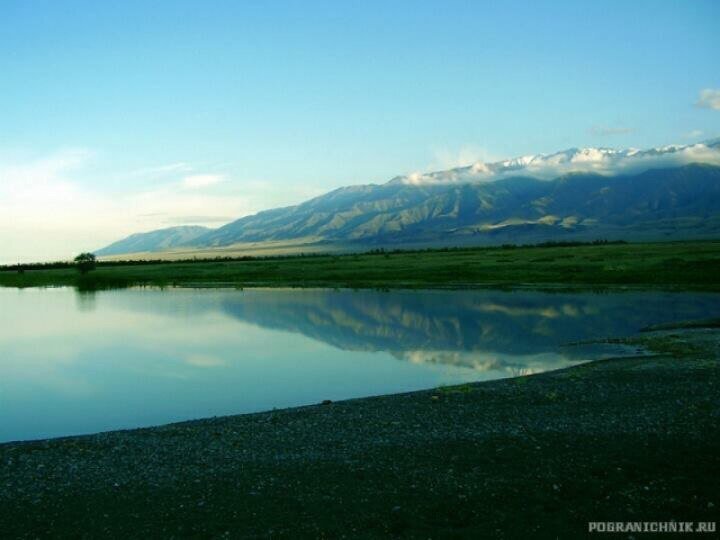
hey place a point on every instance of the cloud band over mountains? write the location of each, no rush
(603, 161)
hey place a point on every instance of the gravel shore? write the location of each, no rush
(628, 439)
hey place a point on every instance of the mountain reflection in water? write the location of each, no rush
(480, 329)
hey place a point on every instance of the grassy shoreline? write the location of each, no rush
(679, 265)
(619, 440)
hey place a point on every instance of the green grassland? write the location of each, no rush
(686, 265)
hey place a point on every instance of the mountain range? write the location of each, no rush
(671, 192)
(155, 240)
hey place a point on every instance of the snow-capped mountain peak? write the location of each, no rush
(605, 161)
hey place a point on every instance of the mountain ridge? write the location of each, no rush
(156, 240)
(588, 200)
(573, 203)
(603, 160)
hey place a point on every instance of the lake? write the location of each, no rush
(77, 362)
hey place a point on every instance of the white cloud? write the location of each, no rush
(445, 158)
(605, 161)
(47, 213)
(605, 131)
(694, 134)
(198, 181)
(709, 99)
(161, 170)
(40, 207)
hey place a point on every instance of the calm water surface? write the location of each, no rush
(73, 363)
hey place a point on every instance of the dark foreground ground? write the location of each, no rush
(621, 440)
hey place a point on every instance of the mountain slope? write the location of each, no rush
(154, 240)
(672, 192)
(523, 208)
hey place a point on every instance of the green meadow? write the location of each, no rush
(686, 265)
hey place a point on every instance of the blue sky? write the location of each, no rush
(152, 114)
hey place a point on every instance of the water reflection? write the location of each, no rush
(77, 362)
(506, 323)
(86, 299)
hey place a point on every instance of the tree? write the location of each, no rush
(86, 262)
